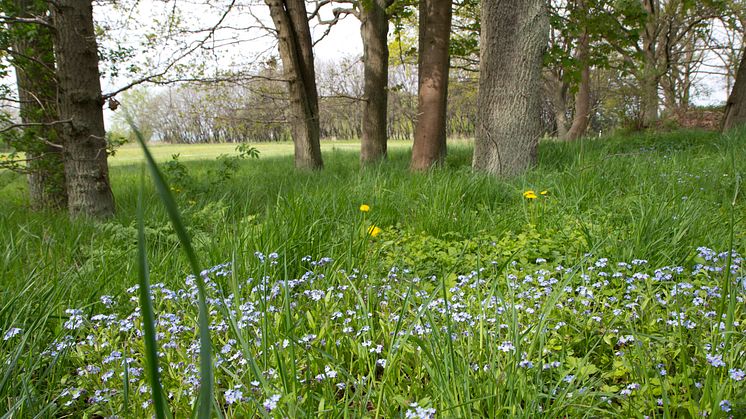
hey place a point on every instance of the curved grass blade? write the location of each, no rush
(204, 402)
(148, 315)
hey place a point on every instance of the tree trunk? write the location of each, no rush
(33, 60)
(648, 77)
(514, 36)
(582, 115)
(735, 108)
(86, 169)
(296, 52)
(374, 31)
(556, 90)
(430, 133)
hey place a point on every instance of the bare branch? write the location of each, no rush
(150, 78)
(36, 124)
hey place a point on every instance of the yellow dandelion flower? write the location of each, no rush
(364, 208)
(543, 193)
(529, 195)
(373, 231)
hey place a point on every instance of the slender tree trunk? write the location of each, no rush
(374, 31)
(556, 90)
(86, 169)
(582, 116)
(735, 108)
(430, 133)
(514, 37)
(649, 77)
(670, 102)
(33, 59)
(296, 52)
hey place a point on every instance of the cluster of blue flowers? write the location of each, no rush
(645, 332)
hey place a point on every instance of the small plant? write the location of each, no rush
(177, 173)
(246, 151)
(114, 140)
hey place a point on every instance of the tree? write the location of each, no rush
(86, 169)
(735, 108)
(514, 37)
(582, 113)
(32, 56)
(374, 30)
(374, 27)
(296, 53)
(667, 25)
(430, 133)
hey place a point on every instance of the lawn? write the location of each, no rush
(610, 291)
(132, 153)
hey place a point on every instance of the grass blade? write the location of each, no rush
(148, 315)
(204, 402)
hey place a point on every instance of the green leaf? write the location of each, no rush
(148, 315)
(204, 401)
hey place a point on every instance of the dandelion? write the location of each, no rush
(374, 231)
(544, 193)
(530, 194)
(364, 208)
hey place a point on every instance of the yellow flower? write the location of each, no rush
(543, 192)
(364, 208)
(529, 195)
(373, 231)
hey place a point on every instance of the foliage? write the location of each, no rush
(656, 197)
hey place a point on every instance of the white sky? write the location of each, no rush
(129, 21)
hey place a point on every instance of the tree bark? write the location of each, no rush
(514, 36)
(86, 169)
(296, 53)
(649, 98)
(429, 147)
(582, 115)
(556, 90)
(33, 60)
(649, 76)
(374, 31)
(735, 108)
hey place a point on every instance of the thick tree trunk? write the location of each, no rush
(86, 169)
(430, 133)
(296, 52)
(33, 60)
(582, 115)
(735, 108)
(374, 31)
(514, 37)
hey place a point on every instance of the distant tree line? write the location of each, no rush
(505, 73)
(254, 110)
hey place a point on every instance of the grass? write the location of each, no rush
(132, 153)
(655, 197)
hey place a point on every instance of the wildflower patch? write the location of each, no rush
(611, 336)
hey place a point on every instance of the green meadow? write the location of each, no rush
(614, 289)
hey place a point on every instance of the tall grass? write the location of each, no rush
(654, 197)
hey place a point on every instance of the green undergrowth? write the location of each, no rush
(654, 197)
